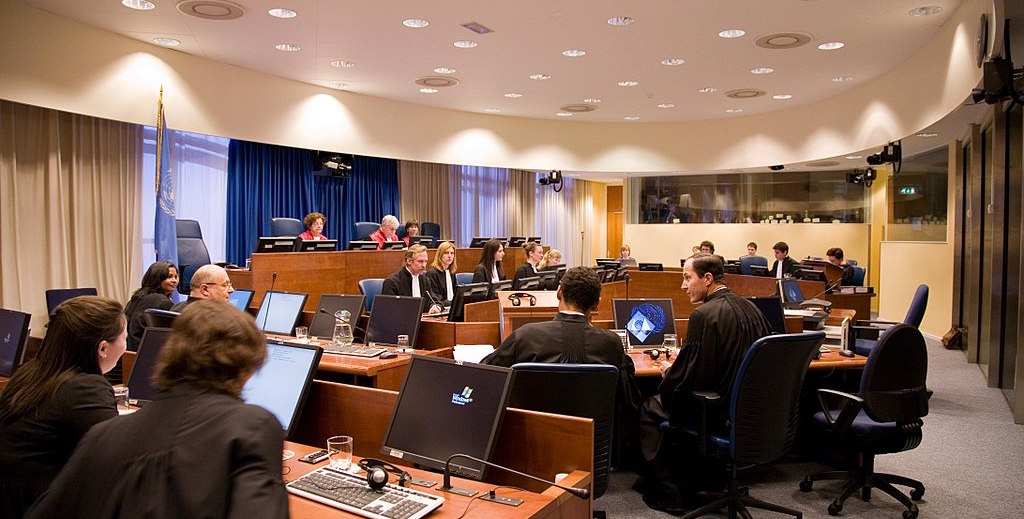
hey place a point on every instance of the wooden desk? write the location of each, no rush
(645, 367)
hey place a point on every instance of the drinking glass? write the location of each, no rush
(339, 450)
(671, 344)
(301, 333)
(121, 399)
(403, 343)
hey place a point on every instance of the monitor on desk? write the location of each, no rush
(392, 316)
(465, 294)
(282, 383)
(549, 278)
(447, 407)
(13, 337)
(759, 270)
(528, 283)
(534, 239)
(141, 387)
(517, 241)
(393, 245)
(646, 320)
(792, 294)
(362, 245)
(651, 266)
(427, 241)
(241, 298)
(492, 292)
(276, 244)
(280, 312)
(323, 323)
(478, 242)
(318, 245)
(810, 274)
(771, 307)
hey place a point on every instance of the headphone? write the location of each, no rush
(514, 298)
(655, 353)
(377, 473)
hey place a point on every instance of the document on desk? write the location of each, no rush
(471, 352)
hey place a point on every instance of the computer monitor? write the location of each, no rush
(465, 294)
(56, 296)
(771, 307)
(447, 407)
(502, 239)
(517, 241)
(731, 267)
(282, 383)
(427, 241)
(810, 274)
(651, 266)
(280, 311)
(534, 239)
(646, 320)
(529, 283)
(392, 316)
(599, 261)
(276, 244)
(621, 274)
(318, 245)
(13, 336)
(548, 279)
(608, 263)
(241, 298)
(478, 242)
(323, 323)
(789, 289)
(608, 275)
(362, 245)
(492, 291)
(759, 270)
(141, 384)
(393, 245)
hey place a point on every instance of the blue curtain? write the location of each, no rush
(266, 181)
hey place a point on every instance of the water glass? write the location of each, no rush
(403, 343)
(121, 399)
(301, 333)
(671, 343)
(339, 451)
(343, 328)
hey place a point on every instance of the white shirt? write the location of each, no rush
(494, 273)
(449, 289)
(415, 284)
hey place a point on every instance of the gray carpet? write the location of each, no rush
(970, 460)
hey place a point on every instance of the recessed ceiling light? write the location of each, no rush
(540, 77)
(732, 33)
(708, 90)
(620, 21)
(138, 5)
(337, 85)
(628, 83)
(342, 64)
(733, 111)
(671, 62)
(841, 79)
(832, 45)
(564, 114)
(927, 134)
(593, 100)
(287, 47)
(513, 95)
(444, 70)
(281, 12)
(415, 23)
(167, 42)
(854, 157)
(429, 90)
(632, 118)
(465, 44)
(927, 10)
(782, 97)
(666, 105)
(762, 70)
(492, 110)
(574, 53)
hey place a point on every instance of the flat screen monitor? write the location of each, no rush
(530, 283)
(141, 386)
(810, 274)
(392, 316)
(478, 242)
(447, 407)
(534, 239)
(492, 291)
(621, 274)
(517, 241)
(548, 279)
(362, 245)
(646, 320)
(318, 245)
(731, 268)
(393, 245)
(465, 294)
(426, 241)
(280, 311)
(13, 336)
(323, 323)
(241, 298)
(789, 289)
(771, 307)
(277, 244)
(282, 383)
(759, 270)
(56, 296)
(608, 263)
(651, 266)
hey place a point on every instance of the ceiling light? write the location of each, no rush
(415, 23)
(632, 118)
(429, 90)
(492, 110)
(628, 83)
(287, 47)
(762, 70)
(513, 95)
(927, 134)
(832, 45)
(671, 62)
(620, 21)
(342, 64)
(281, 12)
(666, 105)
(337, 85)
(444, 70)
(841, 79)
(782, 97)
(731, 33)
(138, 5)
(574, 53)
(927, 10)
(708, 90)
(564, 114)
(167, 42)
(594, 100)
(854, 157)
(733, 111)
(465, 44)
(540, 77)
(478, 28)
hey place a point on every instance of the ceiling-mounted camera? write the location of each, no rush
(778, 167)
(862, 176)
(553, 179)
(891, 153)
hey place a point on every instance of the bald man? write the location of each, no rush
(209, 282)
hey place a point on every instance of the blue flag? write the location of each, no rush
(165, 236)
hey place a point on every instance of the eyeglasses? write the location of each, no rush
(226, 284)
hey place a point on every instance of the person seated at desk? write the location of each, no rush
(412, 229)
(752, 249)
(784, 265)
(209, 282)
(158, 283)
(835, 256)
(570, 338)
(706, 247)
(719, 333)
(442, 272)
(51, 401)
(625, 257)
(534, 255)
(386, 232)
(196, 450)
(489, 269)
(552, 260)
(410, 280)
(314, 223)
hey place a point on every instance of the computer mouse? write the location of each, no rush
(388, 355)
(847, 353)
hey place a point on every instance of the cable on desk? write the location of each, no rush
(491, 491)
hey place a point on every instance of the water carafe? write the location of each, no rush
(343, 328)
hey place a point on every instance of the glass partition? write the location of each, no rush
(918, 198)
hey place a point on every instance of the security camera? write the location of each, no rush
(778, 167)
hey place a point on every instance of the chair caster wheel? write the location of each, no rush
(805, 485)
(916, 494)
(910, 514)
(834, 509)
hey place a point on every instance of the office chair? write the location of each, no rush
(858, 275)
(747, 261)
(584, 390)
(400, 231)
(370, 288)
(363, 230)
(56, 296)
(286, 227)
(157, 318)
(431, 229)
(192, 252)
(866, 332)
(762, 415)
(463, 278)
(884, 417)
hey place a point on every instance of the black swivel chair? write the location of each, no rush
(158, 318)
(762, 415)
(56, 296)
(431, 229)
(286, 227)
(192, 252)
(363, 230)
(884, 417)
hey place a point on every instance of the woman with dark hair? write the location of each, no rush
(489, 268)
(158, 283)
(314, 223)
(442, 272)
(56, 397)
(196, 450)
(534, 255)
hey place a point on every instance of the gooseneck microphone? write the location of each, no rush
(581, 493)
(270, 299)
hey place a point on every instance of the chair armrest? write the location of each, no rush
(849, 406)
(704, 398)
(866, 332)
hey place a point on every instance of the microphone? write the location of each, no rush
(581, 493)
(270, 299)
(828, 289)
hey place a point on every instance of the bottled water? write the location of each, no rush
(343, 328)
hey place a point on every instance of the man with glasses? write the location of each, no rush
(209, 282)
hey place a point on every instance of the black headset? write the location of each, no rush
(656, 353)
(514, 298)
(377, 473)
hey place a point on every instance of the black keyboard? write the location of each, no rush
(351, 493)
